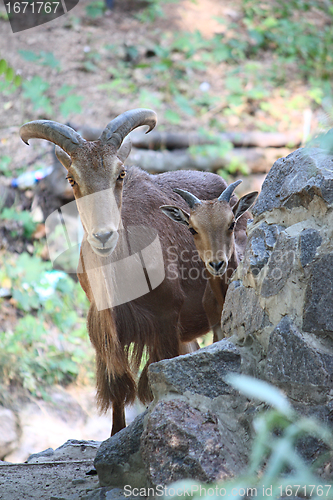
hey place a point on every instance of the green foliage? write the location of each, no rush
(153, 10)
(281, 27)
(35, 90)
(9, 73)
(4, 167)
(24, 217)
(48, 345)
(215, 148)
(95, 9)
(173, 117)
(71, 103)
(43, 58)
(92, 58)
(274, 461)
(291, 40)
(39, 92)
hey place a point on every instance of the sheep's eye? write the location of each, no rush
(71, 181)
(121, 175)
(192, 231)
(232, 226)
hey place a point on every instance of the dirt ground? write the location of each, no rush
(66, 481)
(70, 414)
(75, 36)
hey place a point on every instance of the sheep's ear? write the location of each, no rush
(63, 157)
(176, 214)
(124, 150)
(244, 204)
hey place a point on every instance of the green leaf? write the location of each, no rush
(148, 99)
(24, 217)
(64, 90)
(3, 66)
(9, 74)
(17, 80)
(71, 105)
(184, 104)
(43, 58)
(95, 9)
(89, 66)
(4, 166)
(22, 299)
(270, 22)
(48, 59)
(172, 117)
(34, 90)
(28, 55)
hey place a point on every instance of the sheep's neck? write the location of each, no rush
(219, 285)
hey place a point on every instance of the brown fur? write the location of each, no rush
(210, 222)
(165, 320)
(160, 322)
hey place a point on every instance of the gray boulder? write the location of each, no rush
(10, 432)
(72, 450)
(279, 308)
(182, 442)
(197, 426)
(118, 461)
(200, 373)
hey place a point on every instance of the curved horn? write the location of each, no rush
(116, 131)
(227, 193)
(190, 199)
(61, 135)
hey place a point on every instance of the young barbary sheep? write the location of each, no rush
(219, 234)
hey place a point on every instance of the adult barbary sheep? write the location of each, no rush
(115, 203)
(219, 233)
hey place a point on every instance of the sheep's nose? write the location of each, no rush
(103, 237)
(216, 265)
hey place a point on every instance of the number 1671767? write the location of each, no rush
(34, 7)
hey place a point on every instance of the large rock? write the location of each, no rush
(279, 307)
(297, 365)
(296, 180)
(118, 461)
(201, 373)
(73, 450)
(197, 426)
(182, 442)
(10, 432)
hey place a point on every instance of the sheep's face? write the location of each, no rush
(95, 170)
(96, 175)
(212, 224)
